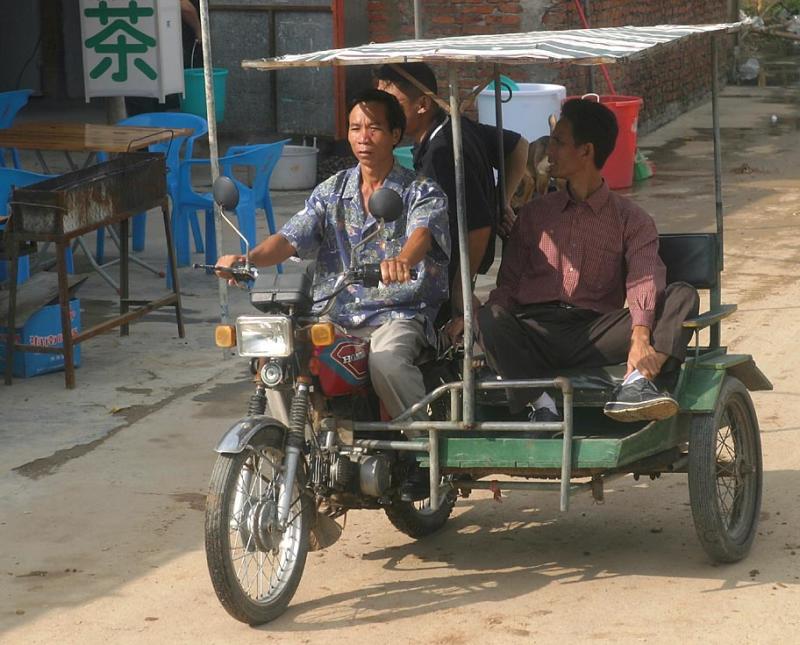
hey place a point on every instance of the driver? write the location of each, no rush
(397, 316)
(572, 260)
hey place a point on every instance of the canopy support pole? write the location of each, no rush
(463, 247)
(716, 293)
(417, 19)
(211, 114)
(501, 169)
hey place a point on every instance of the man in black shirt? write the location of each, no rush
(430, 128)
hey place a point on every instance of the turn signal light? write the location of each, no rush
(225, 336)
(322, 334)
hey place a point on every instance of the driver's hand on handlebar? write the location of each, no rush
(395, 270)
(228, 261)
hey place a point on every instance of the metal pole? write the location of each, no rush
(498, 116)
(463, 249)
(717, 143)
(434, 475)
(417, 19)
(208, 73)
(566, 451)
(115, 109)
(716, 292)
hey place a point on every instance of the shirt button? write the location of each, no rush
(571, 269)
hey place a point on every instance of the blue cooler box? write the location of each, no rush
(42, 328)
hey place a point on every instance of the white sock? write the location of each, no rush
(545, 401)
(635, 375)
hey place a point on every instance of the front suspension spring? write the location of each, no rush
(258, 401)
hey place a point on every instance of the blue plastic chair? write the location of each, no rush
(175, 151)
(262, 158)
(13, 178)
(10, 104)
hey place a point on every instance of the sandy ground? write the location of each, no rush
(102, 489)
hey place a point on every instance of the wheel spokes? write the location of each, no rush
(260, 572)
(732, 465)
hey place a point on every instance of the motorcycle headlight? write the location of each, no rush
(269, 336)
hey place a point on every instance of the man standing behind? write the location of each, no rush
(430, 128)
(572, 260)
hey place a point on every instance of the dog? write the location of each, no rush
(536, 179)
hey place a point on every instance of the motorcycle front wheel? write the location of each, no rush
(254, 567)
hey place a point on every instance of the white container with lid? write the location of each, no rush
(527, 111)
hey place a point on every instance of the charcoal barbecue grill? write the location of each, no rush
(62, 208)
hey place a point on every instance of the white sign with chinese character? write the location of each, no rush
(132, 48)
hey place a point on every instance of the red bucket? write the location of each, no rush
(618, 169)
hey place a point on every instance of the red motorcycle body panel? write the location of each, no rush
(343, 367)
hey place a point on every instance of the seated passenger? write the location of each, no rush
(572, 259)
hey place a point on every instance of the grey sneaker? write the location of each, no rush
(640, 401)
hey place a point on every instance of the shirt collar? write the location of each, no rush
(436, 126)
(394, 180)
(595, 201)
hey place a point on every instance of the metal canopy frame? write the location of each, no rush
(445, 50)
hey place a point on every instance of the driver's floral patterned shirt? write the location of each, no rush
(334, 220)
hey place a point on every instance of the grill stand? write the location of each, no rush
(62, 242)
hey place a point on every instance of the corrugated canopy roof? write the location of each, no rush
(581, 46)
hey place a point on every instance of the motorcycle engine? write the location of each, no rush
(371, 475)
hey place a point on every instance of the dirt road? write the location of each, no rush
(106, 545)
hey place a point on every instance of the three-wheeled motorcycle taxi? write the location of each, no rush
(278, 486)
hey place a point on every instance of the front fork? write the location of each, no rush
(294, 450)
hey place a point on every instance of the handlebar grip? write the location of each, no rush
(370, 275)
(238, 272)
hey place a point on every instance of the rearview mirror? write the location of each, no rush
(226, 194)
(385, 204)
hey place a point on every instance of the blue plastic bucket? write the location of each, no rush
(404, 155)
(194, 97)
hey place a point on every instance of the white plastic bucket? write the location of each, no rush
(296, 169)
(528, 110)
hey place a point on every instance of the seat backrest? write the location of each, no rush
(173, 150)
(13, 178)
(690, 257)
(262, 157)
(10, 104)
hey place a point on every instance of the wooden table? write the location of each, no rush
(84, 137)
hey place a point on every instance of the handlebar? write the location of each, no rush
(367, 274)
(239, 273)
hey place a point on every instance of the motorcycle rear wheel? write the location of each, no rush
(416, 519)
(254, 568)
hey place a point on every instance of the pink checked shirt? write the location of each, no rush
(591, 254)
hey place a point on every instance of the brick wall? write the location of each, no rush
(669, 81)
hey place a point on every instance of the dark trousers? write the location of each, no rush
(537, 340)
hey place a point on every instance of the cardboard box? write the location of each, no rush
(43, 327)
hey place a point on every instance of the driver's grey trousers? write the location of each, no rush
(393, 349)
